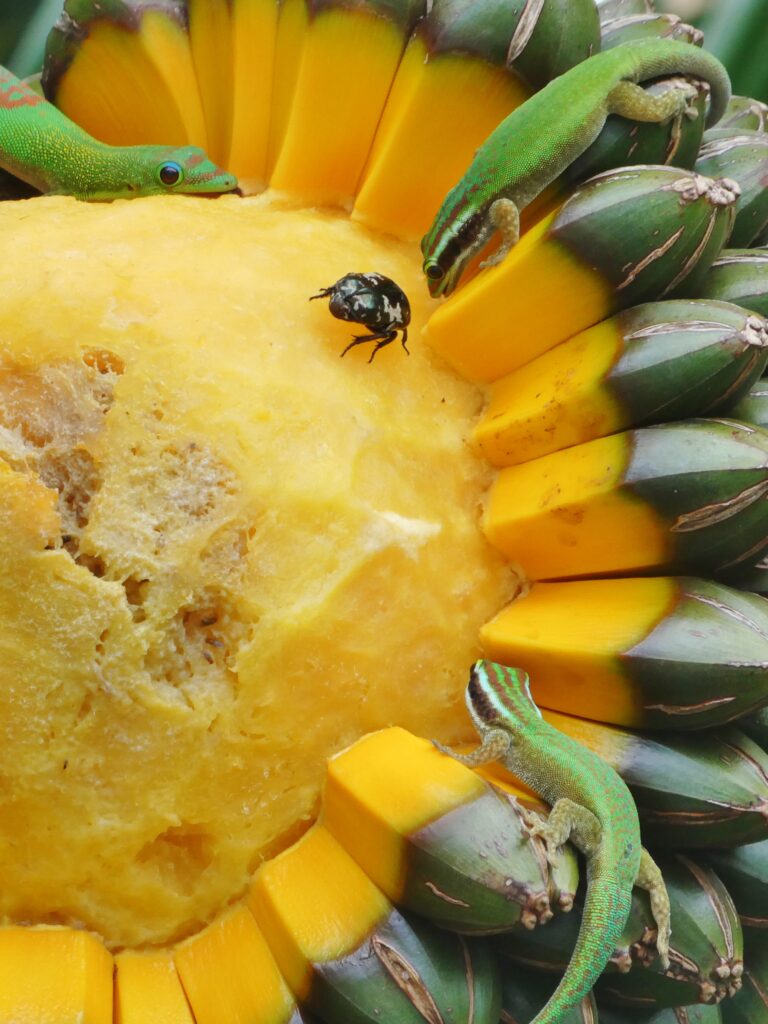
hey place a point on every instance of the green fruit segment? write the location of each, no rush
(744, 158)
(659, 361)
(609, 10)
(706, 947)
(406, 972)
(625, 237)
(753, 407)
(564, 33)
(649, 26)
(663, 653)
(742, 114)
(750, 1005)
(745, 874)
(648, 229)
(434, 836)
(706, 1014)
(756, 726)
(740, 276)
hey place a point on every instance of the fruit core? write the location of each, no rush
(228, 552)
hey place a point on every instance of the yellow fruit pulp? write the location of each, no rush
(228, 552)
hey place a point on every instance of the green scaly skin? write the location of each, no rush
(538, 141)
(590, 805)
(52, 154)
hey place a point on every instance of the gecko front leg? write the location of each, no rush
(493, 748)
(505, 218)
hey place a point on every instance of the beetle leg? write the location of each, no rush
(381, 337)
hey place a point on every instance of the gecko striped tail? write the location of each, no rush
(605, 912)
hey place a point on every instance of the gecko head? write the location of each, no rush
(498, 696)
(449, 245)
(162, 170)
(441, 279)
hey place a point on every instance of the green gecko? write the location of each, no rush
(43, 147)
(541, 138)
(590, 805)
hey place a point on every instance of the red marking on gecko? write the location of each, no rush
(13, 96)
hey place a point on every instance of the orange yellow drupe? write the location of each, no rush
(148, 990)
(229, 973)
(315, 905)
(570, 638)
(211, 43)
(569, 514)
(54, 976)
(554, 402)
(158, 99)
(346, 52)
(254, 32)
(440, 109)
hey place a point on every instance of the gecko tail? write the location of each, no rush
(604, 915)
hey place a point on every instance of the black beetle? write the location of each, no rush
(374, 301)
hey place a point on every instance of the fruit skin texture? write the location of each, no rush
(235, 503)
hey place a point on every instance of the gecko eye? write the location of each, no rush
(170, 173)
(433, 270)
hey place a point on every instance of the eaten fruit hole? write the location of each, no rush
(49, 418)
(104, 361)
(136, 591)
(179, 855)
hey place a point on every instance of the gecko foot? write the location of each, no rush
(537, 827)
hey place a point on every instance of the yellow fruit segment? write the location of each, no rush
(148, 990)
(569, 638)
(558, 400)
(167, 45)
(210, 38)
(229, 974)
(388, 785)
(292, 23)
(134, 86)
(224, 531)
(507, 315)
(439, 111)
(254, 30)
(568, 514)
(314, 905)
(54, 976)
(348, 60)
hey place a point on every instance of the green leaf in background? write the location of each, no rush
(736, 31)
(24, 25)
